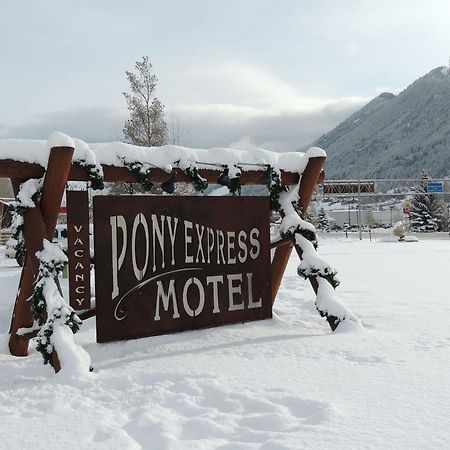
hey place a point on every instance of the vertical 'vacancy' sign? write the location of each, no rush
(78, 249)
(179, 263)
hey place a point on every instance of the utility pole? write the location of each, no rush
(359, 193)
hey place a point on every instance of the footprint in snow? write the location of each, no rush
(208, 410)
(203, 412)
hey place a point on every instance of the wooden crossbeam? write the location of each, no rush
(23, 171)
(281, 242)
(87, 314)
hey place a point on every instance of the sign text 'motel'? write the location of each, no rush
(166, 264)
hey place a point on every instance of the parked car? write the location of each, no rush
(60, 236)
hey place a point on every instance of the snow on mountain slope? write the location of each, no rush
(405, 133)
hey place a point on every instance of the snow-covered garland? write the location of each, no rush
(94, 173)
(198, 182)
(141, 170)
(304, 234)
(48, 307)
(234, 187)
(28, 195)
(274, 188)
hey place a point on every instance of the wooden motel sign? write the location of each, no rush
(78, 249)
(168, 264)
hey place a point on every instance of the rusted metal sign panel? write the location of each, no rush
(167, 264)
(78, 249)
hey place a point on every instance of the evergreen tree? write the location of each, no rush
(323, 221)
(311, 215)
(427, 210)
(146, 125)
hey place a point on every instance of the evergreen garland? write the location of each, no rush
(199, 183)
(308, 231)
(235, 185)
(275, 189)
(18, 208)
(328, 273)
(44, 337)
(17, 242)
(46, 270)
(94, 173)
(303, 231)
(297, 229)
(306, 270)
(141, 171)
(49, 269)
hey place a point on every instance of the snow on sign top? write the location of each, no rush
(115, 153)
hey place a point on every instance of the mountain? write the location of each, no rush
(403, 134)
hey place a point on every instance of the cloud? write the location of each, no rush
(231, 103)
(282, 131)
(219, 104)
(91, 125)
(238, 88)
(244, 143)
(208, 126)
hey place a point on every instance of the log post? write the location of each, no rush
(308, 182)
(56, 176)
(279, 263)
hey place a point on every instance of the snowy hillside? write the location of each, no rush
(405, 133)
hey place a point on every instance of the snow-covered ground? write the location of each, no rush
(285, 383)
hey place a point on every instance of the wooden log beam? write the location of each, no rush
(28, 336)
(279, 262)
(38, 223)
(58, 168)
(281, 242)
(308, 182)
(87, 314)
(21, 170)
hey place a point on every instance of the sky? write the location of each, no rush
(251, 73)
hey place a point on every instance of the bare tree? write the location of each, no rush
(146, 125)
(178, 134)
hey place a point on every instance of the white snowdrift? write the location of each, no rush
(283, 384)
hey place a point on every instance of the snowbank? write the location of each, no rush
(279, 384)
